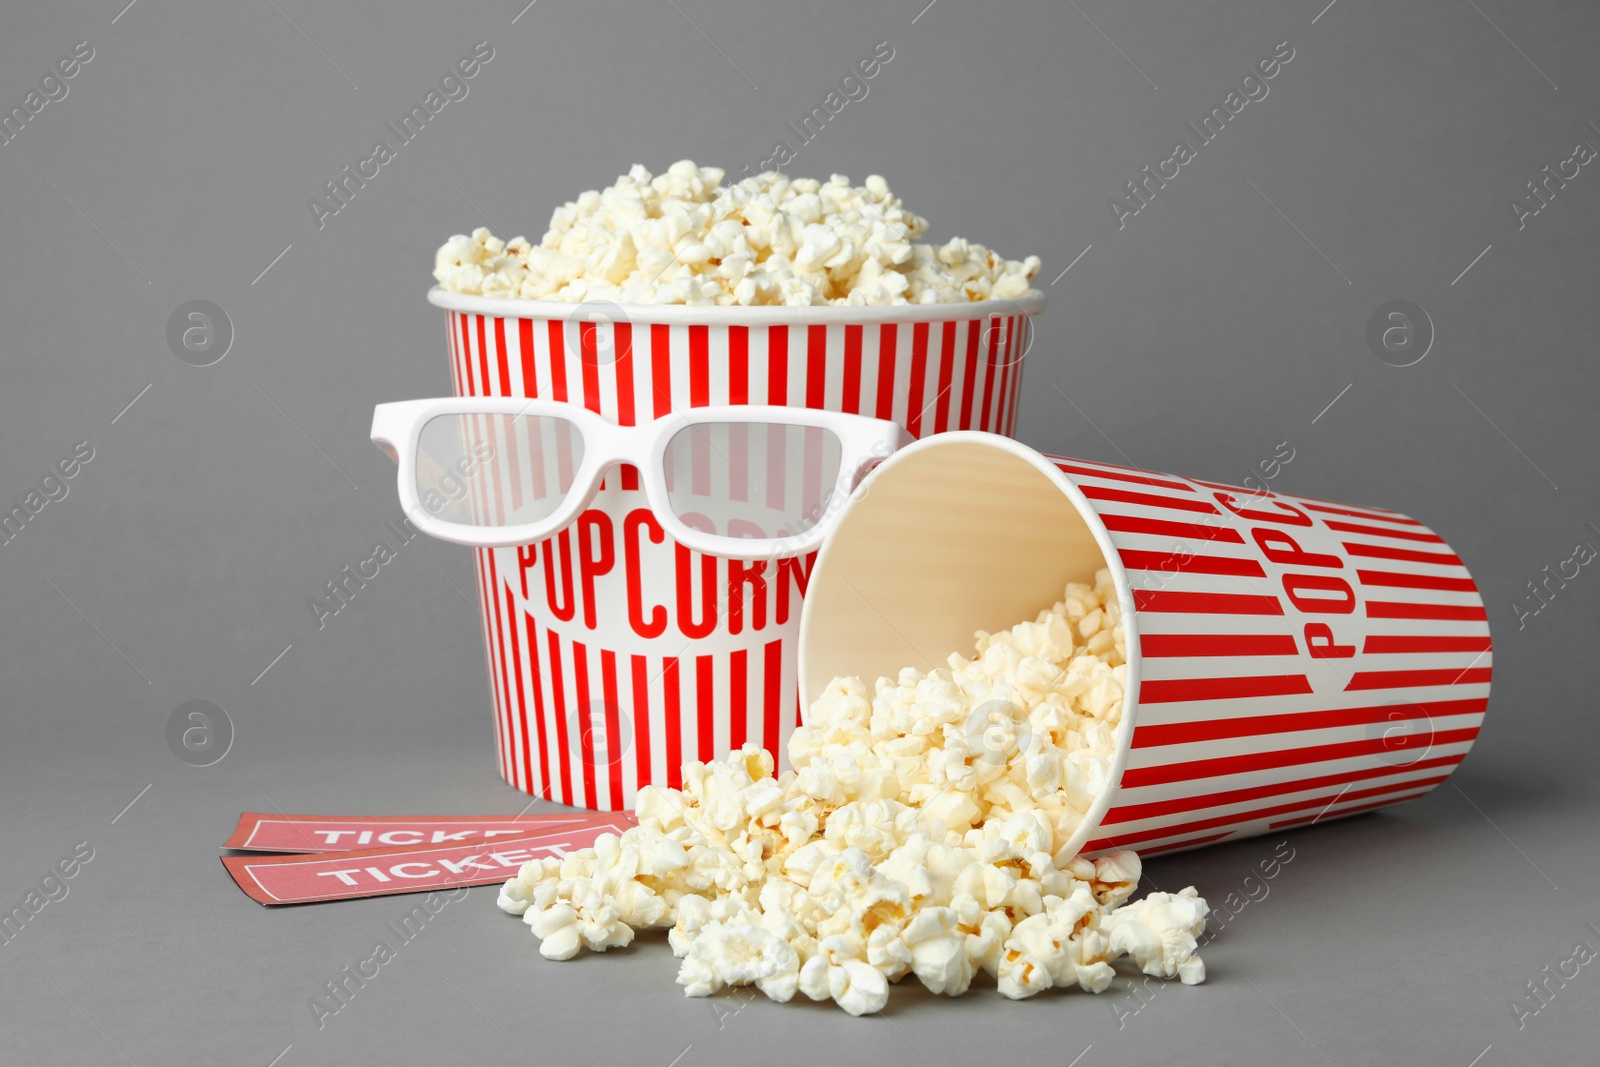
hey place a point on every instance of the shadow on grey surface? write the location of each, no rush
(1395, 834)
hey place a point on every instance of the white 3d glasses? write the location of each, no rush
(743, 481)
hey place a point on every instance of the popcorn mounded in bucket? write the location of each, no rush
(683, 238)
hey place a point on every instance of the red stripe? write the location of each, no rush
(463, 348)
(1357, 548)
(1084, 471)
(1293, 757)
(1013, 371)
(489, 639)
(1235, 818)
(1187, 733)
(1003, 394)
(816, 366)
(661, 368)
(536, 469)
(1191, 843)
(777, 365)
(705, 707)
(969, 373)
(776, 394)
(501, 483)
(1415, 679)
(777, 466)
(500, 351)
(1149, 500)
(1396, 580)
(851, 397)
(641, 720)
(739, 483)
(1167, 691)
(558, 705)
(700, 467)
(738, 703)
(988, 372)
(525, 782)
(1360, 514)
(919, 378)
(508, 741)
(947, 361)
(589, 363)
(1170, 528)
(885, 397)
(1378, 644)
(1346, 811)
(585, 721)
(532, 632)
(674, 722)
(558, 360)
(1206, 603)
(1156, 808)
(483, 357)
(1015, 402)
(622, 366)
(1383, 609)
(1169, 645)
(772, 698)
(1184, 563)
(509, 429)
(490, 426)
(1378, 531)
(811, 470)
(699, 366)
(466, 357)
(608, 681)
(530, 367)
(738, 364)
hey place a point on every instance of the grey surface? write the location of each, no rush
(1208, 330)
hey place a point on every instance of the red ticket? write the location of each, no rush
(301, 879)
(273, 832)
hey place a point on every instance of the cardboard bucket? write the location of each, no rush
(1289, 660)
(614, 654)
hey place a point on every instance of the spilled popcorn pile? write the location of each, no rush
(922, 831)
(683, 238)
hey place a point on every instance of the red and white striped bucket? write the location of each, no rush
(615, 654)
(1289, 660)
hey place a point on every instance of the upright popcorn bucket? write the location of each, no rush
(1289, 660)
(615, 654)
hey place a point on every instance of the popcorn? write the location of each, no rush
(1160, 933)
(939, 956)
(838, 972)
(740, 954)
(924, 830)
(684, 238)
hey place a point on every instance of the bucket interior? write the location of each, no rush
(959, 533)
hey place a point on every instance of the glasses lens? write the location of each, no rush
(496, 470)
(752, 480)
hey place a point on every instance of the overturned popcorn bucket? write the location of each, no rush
(616, 654)
(1289, 660)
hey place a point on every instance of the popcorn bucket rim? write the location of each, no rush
(1030, 303)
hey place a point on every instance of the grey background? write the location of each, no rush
(1195, 340)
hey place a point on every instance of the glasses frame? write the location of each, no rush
(864, 442)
